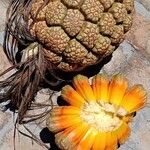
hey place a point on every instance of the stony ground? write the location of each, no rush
(132, 59)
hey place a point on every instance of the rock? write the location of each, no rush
(145, 3)
(3, 9)
(4, 118)
(21, 142)
(4, 62)
(139, 35)
(138, 71)
(145, 138)
(119, 59)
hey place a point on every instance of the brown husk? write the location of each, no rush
(21, 87)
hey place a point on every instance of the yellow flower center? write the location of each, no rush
(99, 117)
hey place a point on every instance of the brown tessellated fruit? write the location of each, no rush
(79, 33)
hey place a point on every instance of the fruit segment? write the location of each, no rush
(65, 110)
(134, 99)
(117, 89)
(100, 85)
(81, 83)
(88, 139)
(100, 141)
(122, 133)
(111, 141)
(58, 123)
(71, 136)
(71, 96)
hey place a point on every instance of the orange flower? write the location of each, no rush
(99, 113)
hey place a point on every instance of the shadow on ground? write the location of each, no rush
(68, 76)
(47, 137)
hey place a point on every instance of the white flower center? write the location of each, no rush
(100, 117)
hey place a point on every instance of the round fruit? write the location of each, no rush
(79, 33)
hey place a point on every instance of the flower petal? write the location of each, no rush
(58, 123)
(70, 137)
(100, 85)
(122, 132)
(87, 141)
(117, 89)
(65, 110)
(134, 99)
(111, 141)
(62, 139)
(83, 87)
(71, 96)
(100, 141)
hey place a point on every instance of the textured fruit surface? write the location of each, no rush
(79, 33)
(99, 113)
